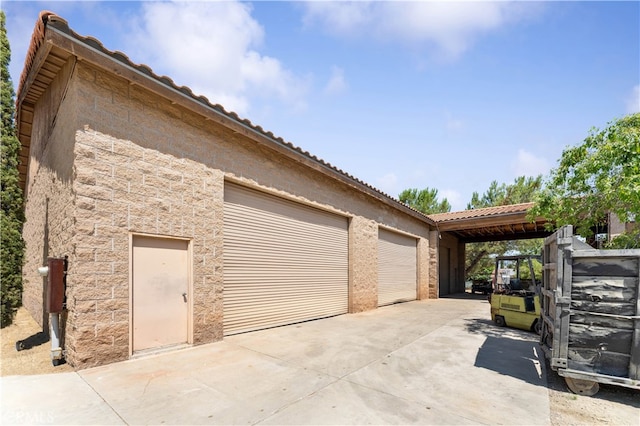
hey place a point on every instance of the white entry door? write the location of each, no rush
(160, 292)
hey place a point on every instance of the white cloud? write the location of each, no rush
(528, 164)
(450, 26)
(452, 123)
(454, 198)
(336, 84)
(211, 47)
(633, 102)
(339, 17)
(388, 184)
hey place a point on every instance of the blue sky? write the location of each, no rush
(399, 94)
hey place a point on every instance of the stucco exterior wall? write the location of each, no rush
(460, 276)
(452, 280)
(144, 165)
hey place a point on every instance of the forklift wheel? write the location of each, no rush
(500, 321)
(537, 327)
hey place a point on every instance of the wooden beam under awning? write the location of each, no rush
(494, 227)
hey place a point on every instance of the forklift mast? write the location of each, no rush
(515, 274)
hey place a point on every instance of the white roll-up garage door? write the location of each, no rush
(397, 270)
(283, 262)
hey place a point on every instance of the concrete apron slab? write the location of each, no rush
(219, 383)
(423, 362)
(435, 364)
(60, 399)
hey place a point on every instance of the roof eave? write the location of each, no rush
(57, 32)
(483, 221)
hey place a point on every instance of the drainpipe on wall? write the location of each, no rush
(56, 350)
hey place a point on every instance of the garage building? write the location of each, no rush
(182, 223)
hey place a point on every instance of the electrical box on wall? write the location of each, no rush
(55, 285)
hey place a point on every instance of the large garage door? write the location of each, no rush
(283, 262)
(397, 271)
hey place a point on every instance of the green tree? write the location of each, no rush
(479, 262)
(522, 190)
(11, 213)
(424, 200)
(599, 176)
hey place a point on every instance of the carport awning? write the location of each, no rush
(492, 224)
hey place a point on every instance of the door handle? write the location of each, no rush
(184, 296)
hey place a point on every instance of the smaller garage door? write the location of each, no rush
(397, 268)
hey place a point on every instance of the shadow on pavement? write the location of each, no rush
(510, 351)
(488, 328)
(465, 296)
(520, 359)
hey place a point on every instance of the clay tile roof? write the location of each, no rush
(49, 19)
(477, 213)
(498, 223)
(37, 38)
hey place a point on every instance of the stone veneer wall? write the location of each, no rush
(50, 225)
(363, 264)
(144, 165)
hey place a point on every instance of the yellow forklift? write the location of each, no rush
(515, 301)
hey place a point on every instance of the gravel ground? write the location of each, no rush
(613, 405)
(35, 358)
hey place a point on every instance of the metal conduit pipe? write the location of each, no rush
(55, 292)
(54, 327)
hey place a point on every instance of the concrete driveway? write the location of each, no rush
(424, 362)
